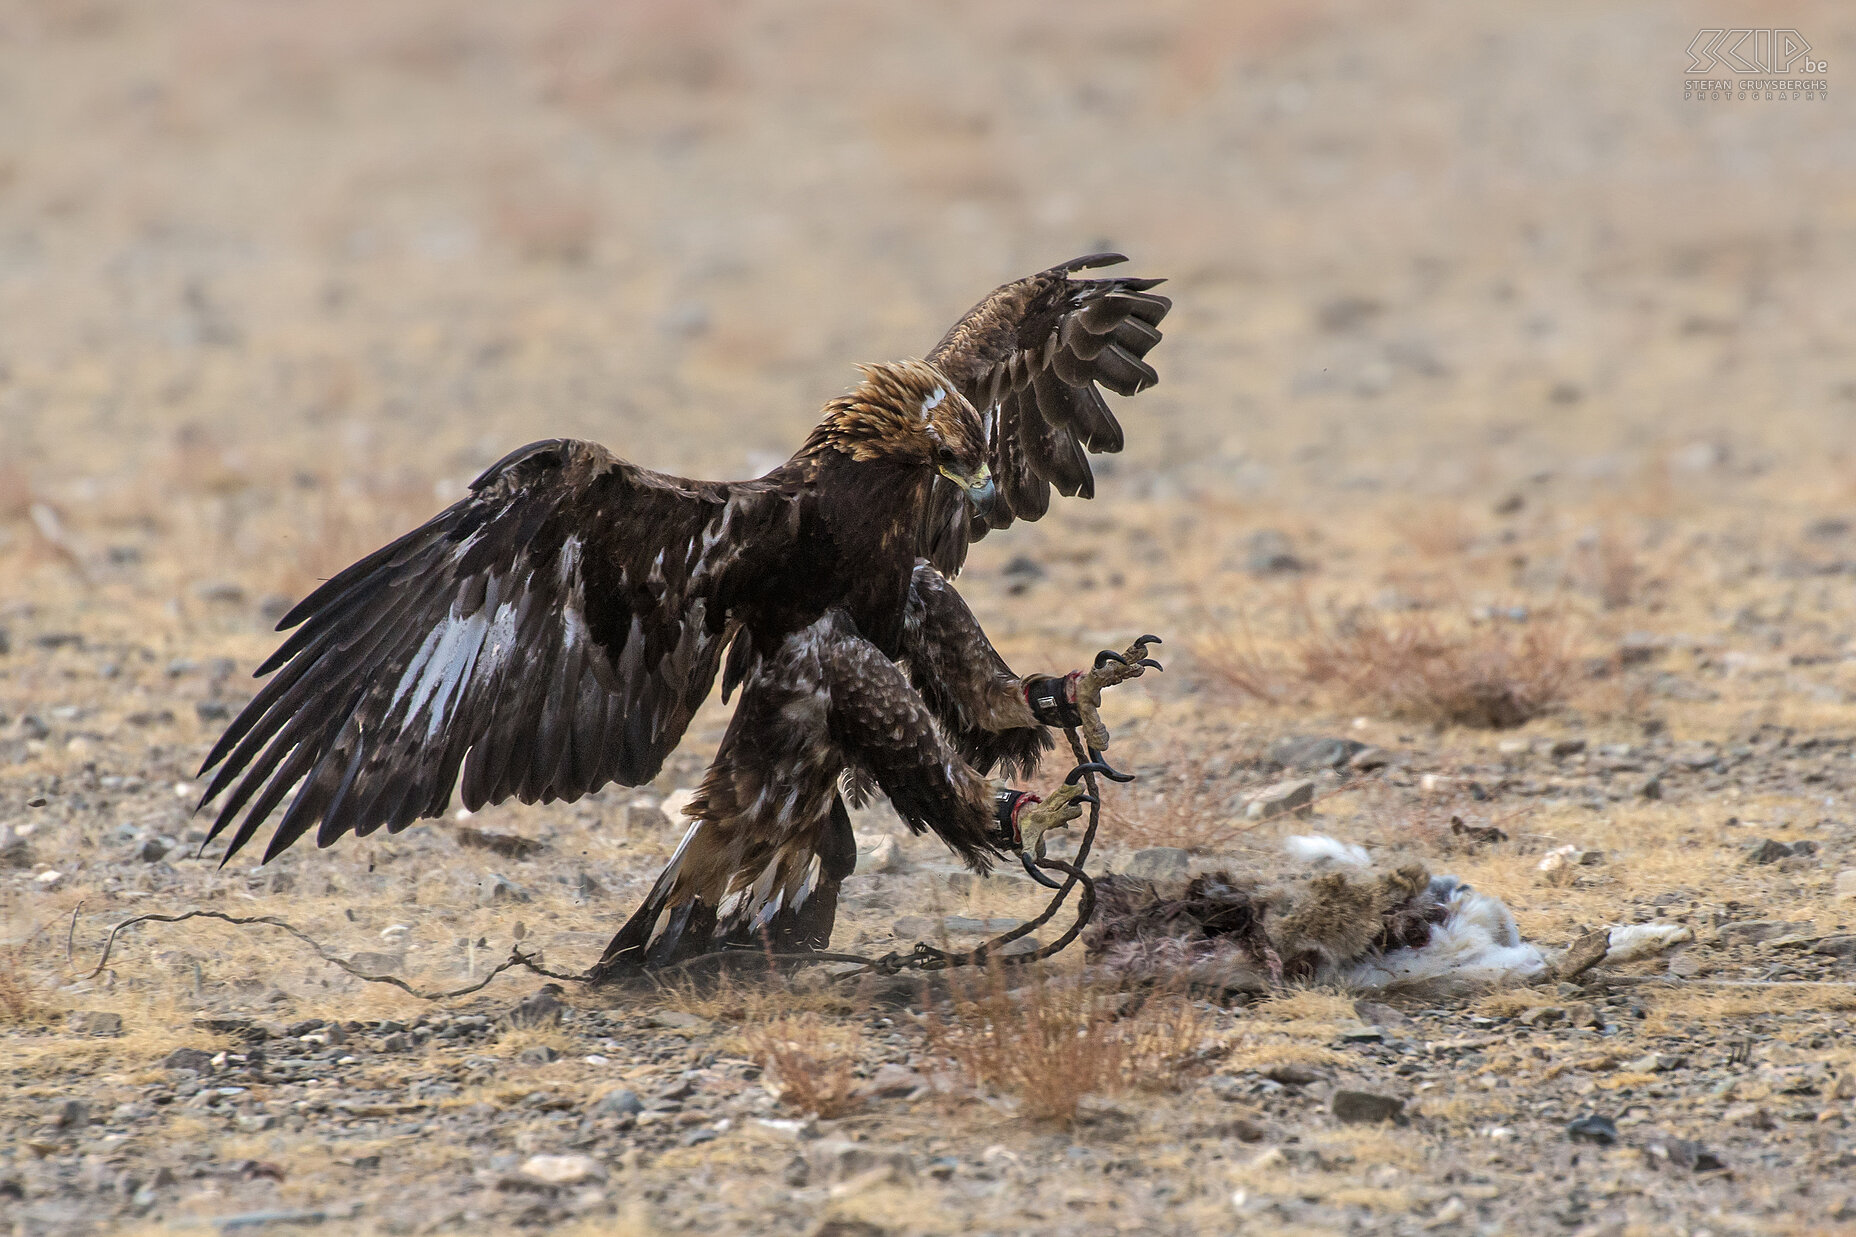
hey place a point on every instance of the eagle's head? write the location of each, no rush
(906, 413)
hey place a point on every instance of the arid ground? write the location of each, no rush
(1505, 426)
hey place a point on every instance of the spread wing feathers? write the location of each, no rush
(1031, 358)
(551, 632)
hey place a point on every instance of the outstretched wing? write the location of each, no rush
(1029, 357)
(552, 632)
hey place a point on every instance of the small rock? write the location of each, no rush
(541, 1008)
(677, 1020)
(1382, 1015)
(835, 1160)
(1295, 795)
(1369, 758)
(1649, 1063)
(892, 1081)
(1361, 1107)
(1593, 1128)
(1542, 1016)
(1310, 752)
(154, 850)
(508, 845)
(1292, 1075)
(1582, 1014)
(495, 888)
(1560, 865)
(196, 1059)
(1023, 569)
(562, 1169)
(1562, 749)
(1844, 886)
(1751, 1115)
(73, 1114)
(885, 856)
(1449, 1214)
(1270, 553)
(1477, 835)
(15, 851)
(396, 1042)
(1652, 788)
(1158, 863)
(1756, 931)
(643, 815)
(1682, 1153)
(1225, 1087)
(537, 1054)
(1583, 954)
(1768, 851)
(94, 1022)
(1843, 946)
(618, 1102)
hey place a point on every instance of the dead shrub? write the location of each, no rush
(1191, 805)
(1053, 1041)
(810, 1063)
(1494, 677)
(1233, 661)
(19, 994)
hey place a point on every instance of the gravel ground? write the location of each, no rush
(1493, 360)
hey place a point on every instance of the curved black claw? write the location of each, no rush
(1148, 661)
(1150, 640)
(1108, 655)
(1035, 873)
(1112, 774)
(1092, 766)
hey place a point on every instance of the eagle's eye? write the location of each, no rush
(944, 455)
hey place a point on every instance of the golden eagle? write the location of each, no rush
(556, 630)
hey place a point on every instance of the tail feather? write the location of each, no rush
(676, 922)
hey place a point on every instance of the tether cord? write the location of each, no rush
(923, 957)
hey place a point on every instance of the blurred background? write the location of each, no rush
(278, 277)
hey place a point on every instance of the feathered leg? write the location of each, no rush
(771, 841)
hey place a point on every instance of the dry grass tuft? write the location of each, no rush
(749, 1000)
(1051, 1042)
(1234, 662)
(809, 1062)
(1192, 805)
(20, 1001)
(1494, 676)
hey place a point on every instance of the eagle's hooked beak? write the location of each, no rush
(981, 491)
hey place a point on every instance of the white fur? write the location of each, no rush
(1644, 940)
(1477, 945)
(1314, 849)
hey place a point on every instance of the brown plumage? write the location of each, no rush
(556, 630)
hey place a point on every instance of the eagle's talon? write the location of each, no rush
(1108, 655)
(1148, 661)
(1035, 873)
(1088, 766)
(1108, 771)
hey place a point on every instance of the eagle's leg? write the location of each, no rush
(993, 716)
(771, 841)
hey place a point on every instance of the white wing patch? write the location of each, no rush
(933, 401)
(440, 672)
